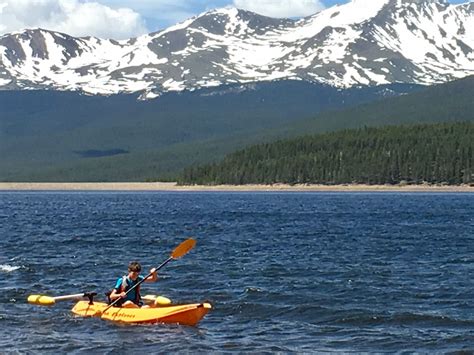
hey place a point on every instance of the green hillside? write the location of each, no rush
(63, 136)
(448, 102)
(435, 154)
(50, 136)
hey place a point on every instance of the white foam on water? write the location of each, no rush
(8, 268)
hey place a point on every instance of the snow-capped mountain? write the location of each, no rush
(363, 42)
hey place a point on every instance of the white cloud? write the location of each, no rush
(160, 14)
(121, 19)
(74, 17)
(281, 8)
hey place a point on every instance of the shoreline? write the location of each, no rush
(172, 186)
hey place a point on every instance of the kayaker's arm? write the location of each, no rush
(115, 294)
(153, 276)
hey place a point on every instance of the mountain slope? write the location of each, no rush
(364, 42)
(120, 139)
(41, 129)
(450, 102)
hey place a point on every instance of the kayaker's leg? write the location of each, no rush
(130, 304)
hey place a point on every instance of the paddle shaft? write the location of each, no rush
(138, 283)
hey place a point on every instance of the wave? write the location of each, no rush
(8, 268)
(405, 318)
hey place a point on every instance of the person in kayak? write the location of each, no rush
(125, 283)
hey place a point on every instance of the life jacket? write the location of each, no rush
(124, 287)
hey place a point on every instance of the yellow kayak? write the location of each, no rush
(186, 314)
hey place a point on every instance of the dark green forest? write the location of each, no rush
(67, 137)
(435, 154)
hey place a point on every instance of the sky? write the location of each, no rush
(121, 19)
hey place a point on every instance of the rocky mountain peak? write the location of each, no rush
(363, 42)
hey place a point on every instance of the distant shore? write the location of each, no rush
(171, 186)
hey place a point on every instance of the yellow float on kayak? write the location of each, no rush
(186, 314)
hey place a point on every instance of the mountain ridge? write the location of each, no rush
(359, 43)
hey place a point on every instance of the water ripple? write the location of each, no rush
(312, 272)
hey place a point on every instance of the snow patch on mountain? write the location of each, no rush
(363, 42)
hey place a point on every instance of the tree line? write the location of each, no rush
(435, 154)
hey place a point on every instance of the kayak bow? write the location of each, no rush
(186, 314)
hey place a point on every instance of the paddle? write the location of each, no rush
(42, 300)
(177, 253)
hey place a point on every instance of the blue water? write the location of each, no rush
(288, 272)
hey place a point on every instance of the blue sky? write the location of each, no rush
(120, 19)
(178, 10)
(163, 13)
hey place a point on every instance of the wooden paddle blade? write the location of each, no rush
(183, 248)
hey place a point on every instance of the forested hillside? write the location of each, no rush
(435, 154)
(50, 136)
(63, 136)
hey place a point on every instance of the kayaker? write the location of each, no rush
(125, 283)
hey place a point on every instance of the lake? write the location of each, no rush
(285, 272)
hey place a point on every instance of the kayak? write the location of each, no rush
(185, 314)
(159, 310)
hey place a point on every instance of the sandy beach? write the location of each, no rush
(171, 186)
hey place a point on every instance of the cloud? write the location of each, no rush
(120, 19)
(281, 8)
(159, 13)
(74, 17)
